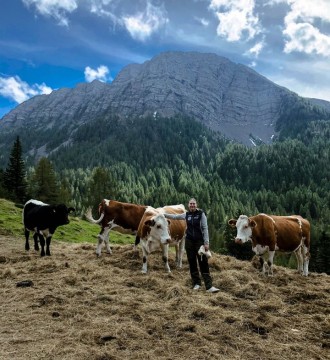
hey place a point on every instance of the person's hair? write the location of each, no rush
(192, 199)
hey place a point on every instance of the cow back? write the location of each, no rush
(40, 216)
(286, 233)
(291, 232)
(125, 215)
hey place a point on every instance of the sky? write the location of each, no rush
(50, 44)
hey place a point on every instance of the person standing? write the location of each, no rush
(197, 234)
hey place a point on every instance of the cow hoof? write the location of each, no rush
(143, 272)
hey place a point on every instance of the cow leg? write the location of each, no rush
(165, 257)
(306, 257)
(270, 262)
(137, 242)
(27, 245)
(265, 267)
(262, 262)
(145, 261)
(48, 240)
(179, 253)
(42, 244)
(107, 240)
(299, 257)
(36, 244)
(99, 245)
(103, 236)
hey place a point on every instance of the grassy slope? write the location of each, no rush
(77, 231)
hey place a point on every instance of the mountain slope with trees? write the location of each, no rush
(169, 160)
(231, 99)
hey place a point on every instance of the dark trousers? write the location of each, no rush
(192, 248)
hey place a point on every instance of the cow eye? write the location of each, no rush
(246, 226)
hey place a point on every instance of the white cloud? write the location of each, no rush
(54, 8)
(143, 24)
(15, 89)
(256, 49)
(300, 31)
(99, 74)
(236, 18)
(202, 21)
(100, 8)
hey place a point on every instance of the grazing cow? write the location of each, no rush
(270, 232)
(156, 232)
(43, 220)
(114, 213)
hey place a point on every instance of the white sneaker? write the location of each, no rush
(196, 287)
(213, 289)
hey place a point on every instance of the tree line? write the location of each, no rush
(166, 162)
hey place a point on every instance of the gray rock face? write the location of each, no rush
(226, 97)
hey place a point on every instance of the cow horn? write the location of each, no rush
(89, 216)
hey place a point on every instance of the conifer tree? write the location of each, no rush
(46, 188)
(2, 186)
(101, 185)
(14, 175)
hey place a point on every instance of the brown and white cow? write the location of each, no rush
(156, 232)
(269, 233)
(113, 214)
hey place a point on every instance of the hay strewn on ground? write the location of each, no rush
(83, 307)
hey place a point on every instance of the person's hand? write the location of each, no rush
(206, 247)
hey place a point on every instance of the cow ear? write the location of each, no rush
(232, 222)
(252, 223)
(71, 209)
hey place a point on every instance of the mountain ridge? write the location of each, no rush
(229, 98)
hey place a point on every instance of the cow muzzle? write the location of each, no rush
(166, 241)
(238, 241)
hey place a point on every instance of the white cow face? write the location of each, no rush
(244, 229)
(159, 229)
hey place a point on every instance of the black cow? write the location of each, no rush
(43, 219)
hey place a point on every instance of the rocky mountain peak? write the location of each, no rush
(227, 97)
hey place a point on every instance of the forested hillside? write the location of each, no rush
(158, 161)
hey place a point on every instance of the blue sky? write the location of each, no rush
(50, 44)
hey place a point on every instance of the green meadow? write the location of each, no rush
(78, 231)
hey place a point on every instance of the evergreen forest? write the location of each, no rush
(160, 161)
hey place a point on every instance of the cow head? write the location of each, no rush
(61, 213)
(244, 226)
(158, 229)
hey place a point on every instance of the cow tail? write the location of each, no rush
(90, 218)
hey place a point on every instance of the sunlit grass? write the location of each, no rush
(76, 232)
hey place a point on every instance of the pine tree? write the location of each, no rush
(101, 185)
(46, 188)
(14, 175)
(2, 186)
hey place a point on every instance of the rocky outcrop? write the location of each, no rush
(227, 97)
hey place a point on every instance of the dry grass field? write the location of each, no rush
(83, 307)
